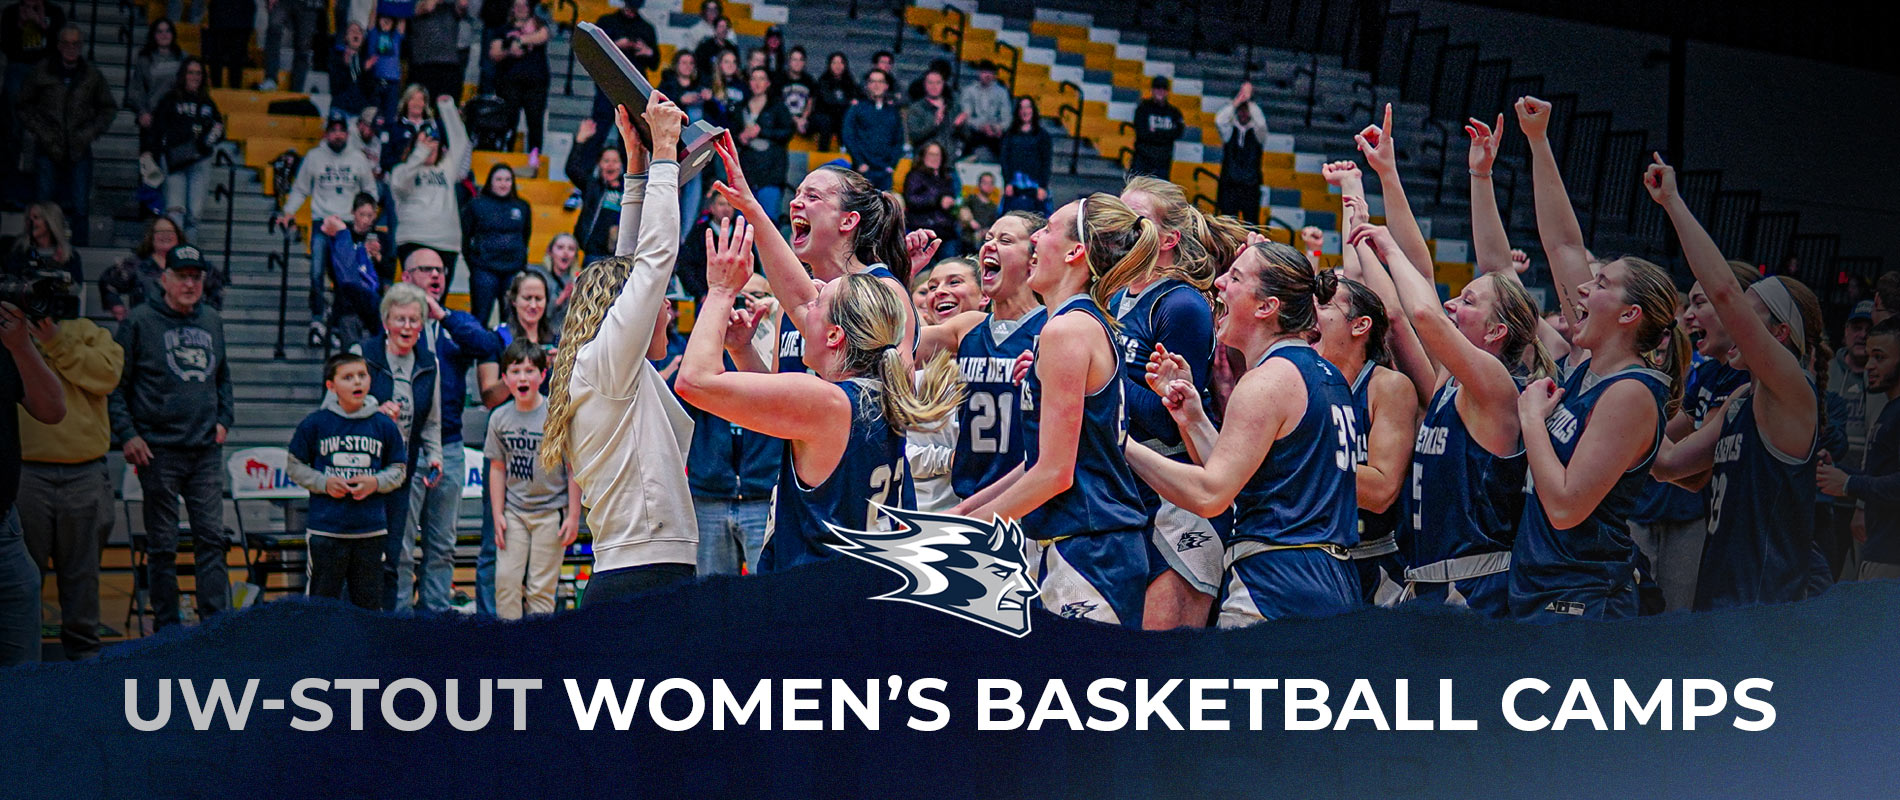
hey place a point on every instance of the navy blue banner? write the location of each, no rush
(797, 685)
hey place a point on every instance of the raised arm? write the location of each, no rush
(1488, 403)
(1488, 239)
(1556, 220)
(1388, 442)
(1786, 410)
(1408, 352)
(791, 285)
(613, 360)
(632, 190)
(457, 157)
(753, 400)
(1381, 152)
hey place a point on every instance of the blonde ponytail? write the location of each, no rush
(595, 289)
(872, 318)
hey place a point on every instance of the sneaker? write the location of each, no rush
(573, 200)
(317, 333)
(268, 85)
(534, 159)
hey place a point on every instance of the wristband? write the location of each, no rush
(1477, 174)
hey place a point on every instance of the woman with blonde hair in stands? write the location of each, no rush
(1166, 308)
(1574, 556)
(610, 414)
(1762, 450)
(844, 424)
(1074, 491)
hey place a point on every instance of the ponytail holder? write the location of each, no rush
(1774, 294)
(883, 347)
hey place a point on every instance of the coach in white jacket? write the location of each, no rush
(611, 416)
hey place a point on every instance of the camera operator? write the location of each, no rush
(172, 410)
(65, 496)
(27, 381)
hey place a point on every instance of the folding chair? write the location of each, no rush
(270, 547)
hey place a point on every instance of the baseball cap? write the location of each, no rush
(1862, 310)
(338, 121)
(1160, 82)
(185, 257)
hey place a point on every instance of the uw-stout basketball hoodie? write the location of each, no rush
(333, 443)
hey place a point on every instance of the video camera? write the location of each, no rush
(41, 291)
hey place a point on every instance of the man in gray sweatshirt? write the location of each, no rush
(172, 410)
(331, 175)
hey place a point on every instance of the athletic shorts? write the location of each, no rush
(1299, 582)
(1101, 577)
(1188, 544)
(1580, 602)
(1380, 580)
(1489, 595)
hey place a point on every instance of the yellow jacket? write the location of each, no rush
(88, 363)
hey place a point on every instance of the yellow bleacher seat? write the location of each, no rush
(481, 161)
(242, 126)
(245, 101)
(539, 192)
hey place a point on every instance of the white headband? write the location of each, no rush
(1774, 294)
(1081, 213)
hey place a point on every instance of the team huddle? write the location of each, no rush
(1197, 425)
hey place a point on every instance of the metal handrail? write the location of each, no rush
(281, 263)
(1015, 60)
(1212, 207)
(897, 46)
(1311, 71)
(963, 25)
(573, 23)
(1125, 151)
(229, 192)
(1075, 136)
(1199, 171)
(1444, 153)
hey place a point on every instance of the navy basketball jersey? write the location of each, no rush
(1761, 517)
(1708, 386)
(1102, 498)
(1463, 500)
(872, 470)
(1563, 571)
(1304, 493)
(1148, 420)
(791, 343)
(1372, 524)
(989, 432)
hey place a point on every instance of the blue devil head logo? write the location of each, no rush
(956, 565)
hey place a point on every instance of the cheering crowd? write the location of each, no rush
(1195, 424)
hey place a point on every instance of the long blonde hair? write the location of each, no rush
(595, 290)
(872, 317)
(1651, 290)
(1518, 312)
(1207, 245)
(1121, 245)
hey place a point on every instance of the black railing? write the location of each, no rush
(1200, 171)
(124, 37)
(961, 30)
(1198, 38)
(1212, 207)
(1075, 143)
(1444, 153)
(281, 263)
(1311, 71)
(1125, 157)
(228, 191)
(1015, 60)
(573, 25)
(897, 41)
